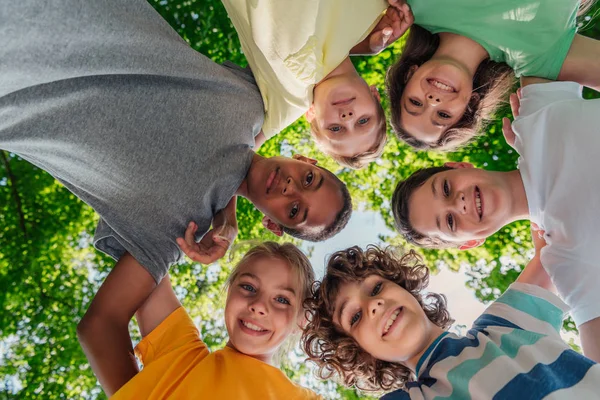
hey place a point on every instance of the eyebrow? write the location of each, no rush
(341, 312)
(251, 275)
(434, 190)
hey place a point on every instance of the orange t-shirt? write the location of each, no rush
(178, 365)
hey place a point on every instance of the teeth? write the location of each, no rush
(252, 326)
(391, 321)
(478, 203)
(441, 86)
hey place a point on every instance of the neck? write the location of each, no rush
(266, 358)
(520, 206)
(345, 68)
(462, 50)
(434, 333)
(242, 190)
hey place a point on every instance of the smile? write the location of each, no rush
(441, 86)
(272, 180)
(392, 321)
(478, 203)
(343, 102)
(252, 329)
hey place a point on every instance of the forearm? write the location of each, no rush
(107, 346)
(259, 140)
(227, 216)
(589, 333)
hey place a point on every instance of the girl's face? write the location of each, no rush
(262, 309)
(435, 98)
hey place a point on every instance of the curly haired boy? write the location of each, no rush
(373, 325)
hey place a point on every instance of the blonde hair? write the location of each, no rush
(360, 160)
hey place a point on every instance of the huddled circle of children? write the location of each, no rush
(160, 141)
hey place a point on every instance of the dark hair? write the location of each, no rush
(360, 160)
(336, 353)
(340, 221)
(492, 83)
(400, 201)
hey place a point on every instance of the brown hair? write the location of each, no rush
(286, 252)
(400, 201)
(336, 353)
(492, 83)
(360, 160)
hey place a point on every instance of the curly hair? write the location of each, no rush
(492, 83)
(401, 211)
(360, 160)
(336, 353)
(340, 221)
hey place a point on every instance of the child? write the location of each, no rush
(372, 324)
(298, 53)
(263, 307)
(556, 134)
(451, 75)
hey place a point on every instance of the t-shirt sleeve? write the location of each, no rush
(175, 333)
(536, 96)
(527, 307)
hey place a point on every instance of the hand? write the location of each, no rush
(213, 245)
(515, 104)
(396, 21)
(537, 235)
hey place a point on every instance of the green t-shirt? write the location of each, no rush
(532, 36)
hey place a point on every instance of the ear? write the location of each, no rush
(310, 113)
(302, 158)
(272, 226)
(471, 244)
(459, 165)
(375, 92)
(411, 72)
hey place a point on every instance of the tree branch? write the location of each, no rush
(13, 185)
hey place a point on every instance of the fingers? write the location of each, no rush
(189, 233)
(509, 134)
(515, 103)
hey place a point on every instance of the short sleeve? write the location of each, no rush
(527, 307)
(176, 333)
(536, 96)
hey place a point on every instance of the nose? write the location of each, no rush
(258, 307)
(375, 305)
(289, 187)
(346, 114)
(434, 99)
(460, 204)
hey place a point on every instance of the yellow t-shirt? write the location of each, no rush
(293, 44)
(178, 365)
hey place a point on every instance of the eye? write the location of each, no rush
(415, 102)
(363, 121)
(294, 211)
(450, 220)
(282, 300)
(248, 288)
(446, 188)
(444, 115)
(376, 289)
(335, 128)
(355, 318)
(309, 179)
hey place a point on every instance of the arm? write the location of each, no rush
(259, 140)
(103, 331)
(589, 333)
(534, 273)
(582, 63)
(159, 305)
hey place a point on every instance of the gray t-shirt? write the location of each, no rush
(106, 97)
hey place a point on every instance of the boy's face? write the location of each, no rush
(294, 193)
(461, 204)
(384, 319)
(262, 307)
(345, 110)
(435, 98)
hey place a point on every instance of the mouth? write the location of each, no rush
(392, 321)
(442, 86)
(252, 328)
(272, 180)
(478, 202)
(343, 102)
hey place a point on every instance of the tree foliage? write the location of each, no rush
(49, 272)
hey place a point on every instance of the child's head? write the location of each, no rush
(298, 198)
(265, 297)
(438, 104)
(369, 314)
(347, 120)
(456, 205)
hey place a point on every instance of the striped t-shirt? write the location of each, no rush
(513, 351)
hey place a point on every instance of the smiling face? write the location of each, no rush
(346, 115)
(435, 98)
(294, 193)
(262, 308)
(384, 319)
(461, 204)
